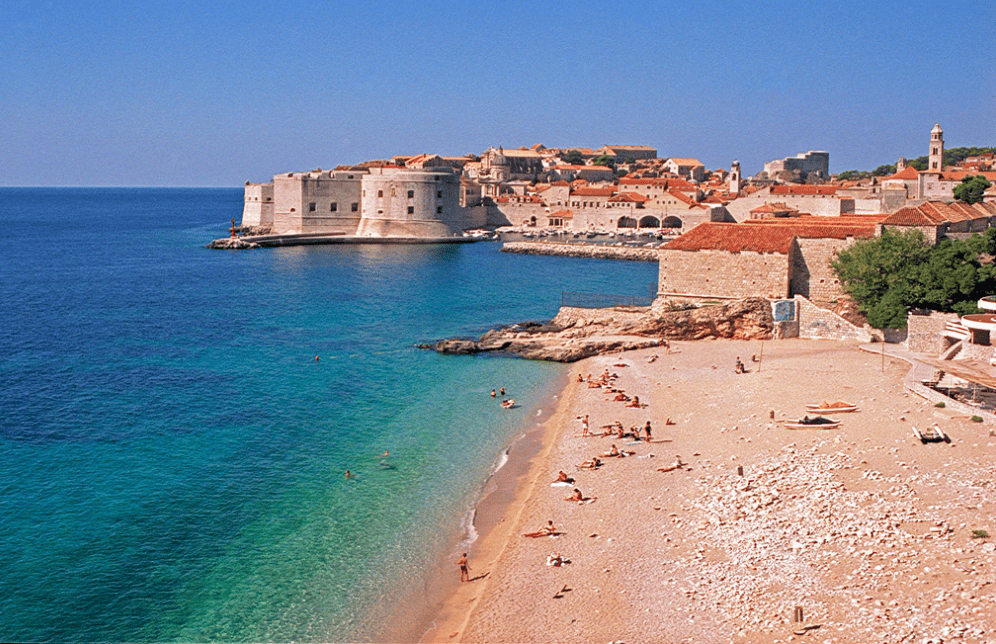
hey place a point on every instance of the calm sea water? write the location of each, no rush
(172, 456)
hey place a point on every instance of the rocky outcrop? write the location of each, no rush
(582, 250)
(232, 243)
(246, 229)
(575, 334)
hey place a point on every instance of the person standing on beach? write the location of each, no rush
(647, 430)
(584, 425)
(464, 568)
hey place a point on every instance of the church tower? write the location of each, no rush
(936, 160)
(735, 184)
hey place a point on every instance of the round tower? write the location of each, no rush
(936, 161)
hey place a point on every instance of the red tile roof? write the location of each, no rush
(593, 192)
(909, 173)
(734, 238)
(564, 214)
(803, 190)
(630, 197)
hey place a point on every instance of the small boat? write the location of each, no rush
(838, 407)
(817, 422)
(931, 435)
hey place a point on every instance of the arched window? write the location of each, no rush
(380, 193)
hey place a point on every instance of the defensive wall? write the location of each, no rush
(581, 250)
(258, 208)
(718, 274)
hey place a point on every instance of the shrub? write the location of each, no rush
(976, 419)
(980, 534)
(940, 404)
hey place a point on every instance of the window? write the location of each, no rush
(411, 194)
(355, 207)
(439, 210)
(411, 210)
(334, 207)
(311, 207)
(380, 193)
(439, 194)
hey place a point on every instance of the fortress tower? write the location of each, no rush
(936, 162)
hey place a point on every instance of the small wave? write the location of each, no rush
(501, 461)
(469, 530)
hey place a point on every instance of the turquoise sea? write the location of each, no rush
(172, 455)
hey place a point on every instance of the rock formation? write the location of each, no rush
(575, 334)
(232, 243)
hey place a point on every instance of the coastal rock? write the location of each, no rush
(232, 243)
(575, 334)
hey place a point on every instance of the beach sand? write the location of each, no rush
(864, 529)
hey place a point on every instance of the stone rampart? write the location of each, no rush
(925, 333)
(816, 323)
(718, 274)
(581, 250)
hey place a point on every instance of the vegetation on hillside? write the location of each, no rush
(891, 274)
(951, 157)
(971, 188)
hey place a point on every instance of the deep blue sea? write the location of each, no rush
(172, 455)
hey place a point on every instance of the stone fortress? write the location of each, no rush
(612, 189)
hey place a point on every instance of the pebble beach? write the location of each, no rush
(858, 533)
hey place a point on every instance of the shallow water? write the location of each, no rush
(173, 456)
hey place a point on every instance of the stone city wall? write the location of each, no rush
(925, 333)
(822, 284)
(717, 274)
(816, 323)
(581, 250)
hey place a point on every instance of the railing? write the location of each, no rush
(579, 300)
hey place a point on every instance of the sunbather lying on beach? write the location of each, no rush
(590, 464)
(545, 531)
(677, 465)
(563, 478)
(578, 497)
(620, 397)
(635, 402)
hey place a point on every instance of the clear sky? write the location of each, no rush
(214, 93)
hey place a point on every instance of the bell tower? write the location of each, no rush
(935, 162)
(735, 184)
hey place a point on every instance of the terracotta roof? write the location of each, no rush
(593, 192)
(685, 199)
(734, 238)
(564, 214)
(958, 175)
(630, 197)
(909, 173)
(911, 217)
(803, 190)
(774, 208)
(685, 161)
(560, 183)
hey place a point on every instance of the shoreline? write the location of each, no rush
(830, 534)
(418, 612)
(499, 513)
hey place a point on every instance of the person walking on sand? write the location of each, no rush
(464, 568)
(647, 430)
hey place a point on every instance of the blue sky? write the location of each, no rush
(216, 93)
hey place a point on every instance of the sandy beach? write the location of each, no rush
(862, 529)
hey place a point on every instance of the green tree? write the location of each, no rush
(573, 157)
(884, 170)
(881, 274)
(605, 160)
(971, 188)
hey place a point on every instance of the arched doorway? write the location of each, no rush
(650, 222)
(626, 222)
(671, 222)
